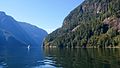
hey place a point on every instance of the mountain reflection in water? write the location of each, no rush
(19, 57)
(63, 58)
(85, 58)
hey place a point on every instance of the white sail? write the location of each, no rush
(28, 47)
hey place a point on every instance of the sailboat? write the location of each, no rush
(28, 47)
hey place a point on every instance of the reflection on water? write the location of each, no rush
(62, 58)
(84, 58)
(19, 57)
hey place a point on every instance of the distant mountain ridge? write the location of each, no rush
(25, 33)
(94, 23)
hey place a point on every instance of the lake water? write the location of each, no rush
(59, 58)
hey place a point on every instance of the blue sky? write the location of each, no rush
(46, 14)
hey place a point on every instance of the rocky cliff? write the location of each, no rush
(94, 23)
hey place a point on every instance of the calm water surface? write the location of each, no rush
(59, 58)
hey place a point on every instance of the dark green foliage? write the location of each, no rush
(84, 26)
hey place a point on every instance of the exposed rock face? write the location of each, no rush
(113, 22)
(87, 23)
(22, 32)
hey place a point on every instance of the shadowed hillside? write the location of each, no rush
(20, 32)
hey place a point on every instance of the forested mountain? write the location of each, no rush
(8, 40)
(19, 32)
(94, 23)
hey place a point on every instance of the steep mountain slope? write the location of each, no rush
(34, 32)
(7, 40)
(25, 33)
(94, 23)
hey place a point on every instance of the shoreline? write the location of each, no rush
(83, 48)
